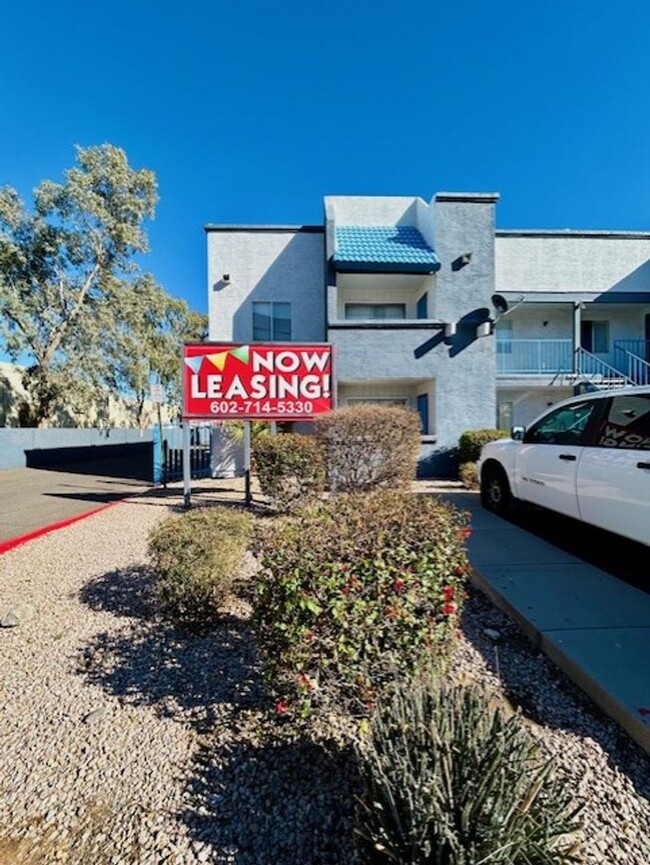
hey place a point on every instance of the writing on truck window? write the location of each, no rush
(627, 424)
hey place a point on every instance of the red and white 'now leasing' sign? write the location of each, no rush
(260, 381)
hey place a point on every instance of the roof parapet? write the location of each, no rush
(468, 197)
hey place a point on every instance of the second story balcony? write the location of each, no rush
(558, 361)
(386, 350)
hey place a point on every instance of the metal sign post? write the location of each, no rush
(247, 464)
(157, 398)
(187, 472)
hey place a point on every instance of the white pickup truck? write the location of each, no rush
(587, 457)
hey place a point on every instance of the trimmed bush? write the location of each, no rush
(196, 558)
(290, 468)
(449, 779)
(468, 475)
(369, 446)
(472, 441)
(355, 591)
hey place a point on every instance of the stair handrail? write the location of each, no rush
(634, 363)
(608, 371)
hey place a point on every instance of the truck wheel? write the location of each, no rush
(495, 490)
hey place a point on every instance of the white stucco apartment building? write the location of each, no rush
(411, 295)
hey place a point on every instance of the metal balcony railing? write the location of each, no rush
(639, 347)
(556, 357)
(534, 356)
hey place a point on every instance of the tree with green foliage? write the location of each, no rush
(147, 343)
(72, 298)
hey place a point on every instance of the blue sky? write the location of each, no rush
(253, 111)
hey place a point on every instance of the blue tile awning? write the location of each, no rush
(389, 248)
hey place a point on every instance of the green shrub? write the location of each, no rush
(468, 475)
(195, 558)
(290, 468)
(356, 590)
(471, 442)
(369, 446)
(449, 779)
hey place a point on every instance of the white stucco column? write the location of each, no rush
(577, 334)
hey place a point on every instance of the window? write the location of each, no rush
(504, 415)
(594, 336)
(381, 400)
(271, 321)
(626, 424)
(375, 310)
(564, 426)
(423, 411)
(421, 310)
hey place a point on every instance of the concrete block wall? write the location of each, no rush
(15, 442)
(465, 365)
(566, 261)
(372, 209)
(376, 354)
(266, 264)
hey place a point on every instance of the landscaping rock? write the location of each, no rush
(182, 764)
(96, 715)
(19, 614)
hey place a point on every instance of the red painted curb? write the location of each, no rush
(12, 543)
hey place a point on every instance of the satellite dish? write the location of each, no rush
(501, 305)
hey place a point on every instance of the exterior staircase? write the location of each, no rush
(592, 373)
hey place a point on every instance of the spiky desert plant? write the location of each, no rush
(452, 780)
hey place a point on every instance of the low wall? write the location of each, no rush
(41, 447)
(436, 461)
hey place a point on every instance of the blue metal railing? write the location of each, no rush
(599, 372)
(556, 356)
(534, 356)
(168, 453)
(631, 357)
(639, 347)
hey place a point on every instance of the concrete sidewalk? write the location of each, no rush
(595, 627)
(31, 499)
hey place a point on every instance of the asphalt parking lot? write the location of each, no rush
(31, 499)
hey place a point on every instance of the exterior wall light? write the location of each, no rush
(486, 328)
(462, 261)
(450, 329)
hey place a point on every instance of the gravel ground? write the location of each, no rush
(125, 741)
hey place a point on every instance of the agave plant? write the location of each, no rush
(452, 780)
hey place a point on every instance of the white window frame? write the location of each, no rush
(392, 400)
(272, 303)
(373, 305)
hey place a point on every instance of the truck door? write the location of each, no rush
(547, 462)
(614, 472)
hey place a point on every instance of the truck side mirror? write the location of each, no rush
(517, 433)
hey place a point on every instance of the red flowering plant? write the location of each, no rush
(355, 591)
